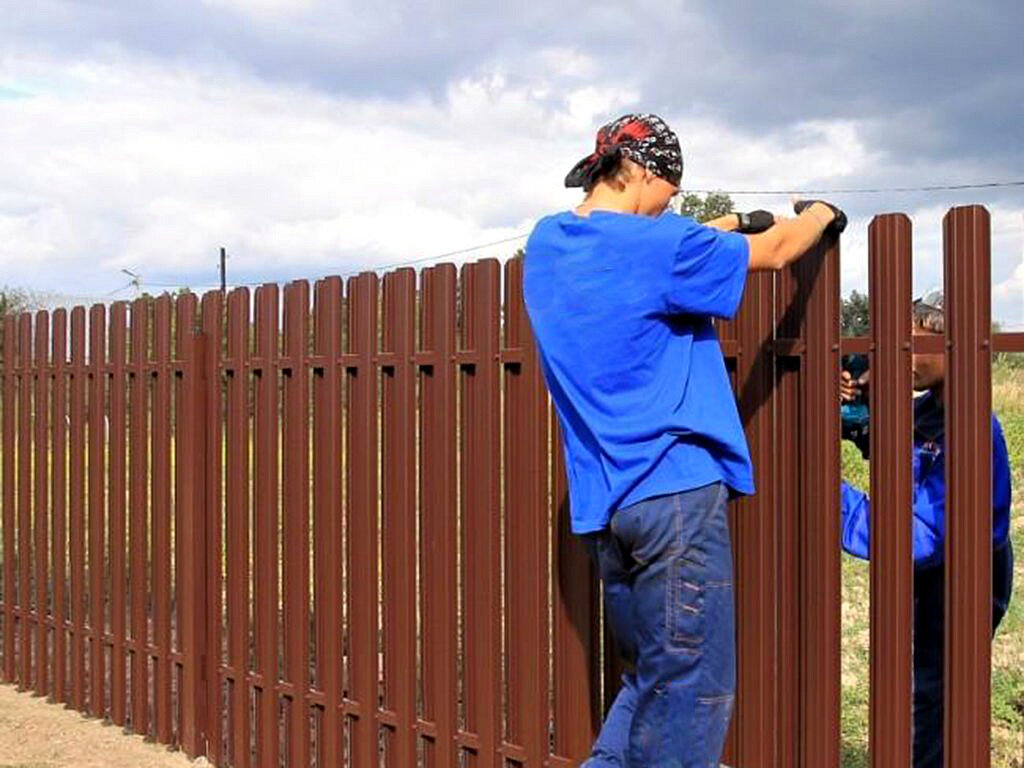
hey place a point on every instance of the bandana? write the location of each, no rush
(644, 139)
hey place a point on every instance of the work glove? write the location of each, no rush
(837, 225)
(755, 221)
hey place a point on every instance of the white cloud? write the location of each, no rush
(264, 8)
(124, 162)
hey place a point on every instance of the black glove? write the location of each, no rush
(837, 225)
(755, 221)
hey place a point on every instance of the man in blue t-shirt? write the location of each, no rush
(929, 529)
(621, 294)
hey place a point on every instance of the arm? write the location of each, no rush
(744, 222)
(855, 511)
(790, 239)
(728, 223)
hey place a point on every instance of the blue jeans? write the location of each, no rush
(929, 640)
(666, 565)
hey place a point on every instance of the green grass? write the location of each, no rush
(1008, 646)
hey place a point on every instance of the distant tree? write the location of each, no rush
(14, 300)
(854, 315)
(711, 206)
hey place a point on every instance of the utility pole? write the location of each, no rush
(223, 270)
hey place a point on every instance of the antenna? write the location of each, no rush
(136, 281)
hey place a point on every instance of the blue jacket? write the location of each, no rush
(930, 491)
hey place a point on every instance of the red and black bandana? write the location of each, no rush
(644, 139)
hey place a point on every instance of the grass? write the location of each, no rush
(1008, 646)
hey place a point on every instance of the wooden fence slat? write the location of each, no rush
(237, 527)
(480, 421)
(58, 495)
(116, 511)
(265, 507)
(97, 510)
(25, 501)
(361, 515)
(327, 556)
(818, 275)
(161, 519)
(892, 491)
(438, 514)
(76, 494)
(968, 556)
(9, 512)
(527, 531)
(295, 516)
(327, 582)
(577, 690)
(190, 528)
(398, 450)
(755, 725)
(40, 501)
(213, 331)
(138, 503)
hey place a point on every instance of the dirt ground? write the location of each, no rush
(36, 734)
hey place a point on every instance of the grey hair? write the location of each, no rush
(929, 312)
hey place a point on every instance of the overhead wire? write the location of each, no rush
(522, 236)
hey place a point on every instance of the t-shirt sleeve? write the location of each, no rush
(709, 270)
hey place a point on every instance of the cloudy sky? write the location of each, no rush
(312, 137)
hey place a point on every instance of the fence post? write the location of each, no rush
(891, 431)
(966, 238)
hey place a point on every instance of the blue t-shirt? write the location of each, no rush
(621, 307)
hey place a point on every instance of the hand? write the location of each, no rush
(837, 225)
(754, 222)
(850, 389)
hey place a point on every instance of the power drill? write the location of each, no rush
(854, 414)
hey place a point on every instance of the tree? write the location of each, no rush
(15, 300)
(711, 206)
(854, 316)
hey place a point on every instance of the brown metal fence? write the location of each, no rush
(330, 529)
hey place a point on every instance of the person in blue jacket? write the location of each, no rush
(621, 292)
(929, 530)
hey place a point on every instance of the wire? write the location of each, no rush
(862, 191)
(513, 238)
(441, 255)
(350, 273)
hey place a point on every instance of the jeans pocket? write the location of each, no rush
(684, 612)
